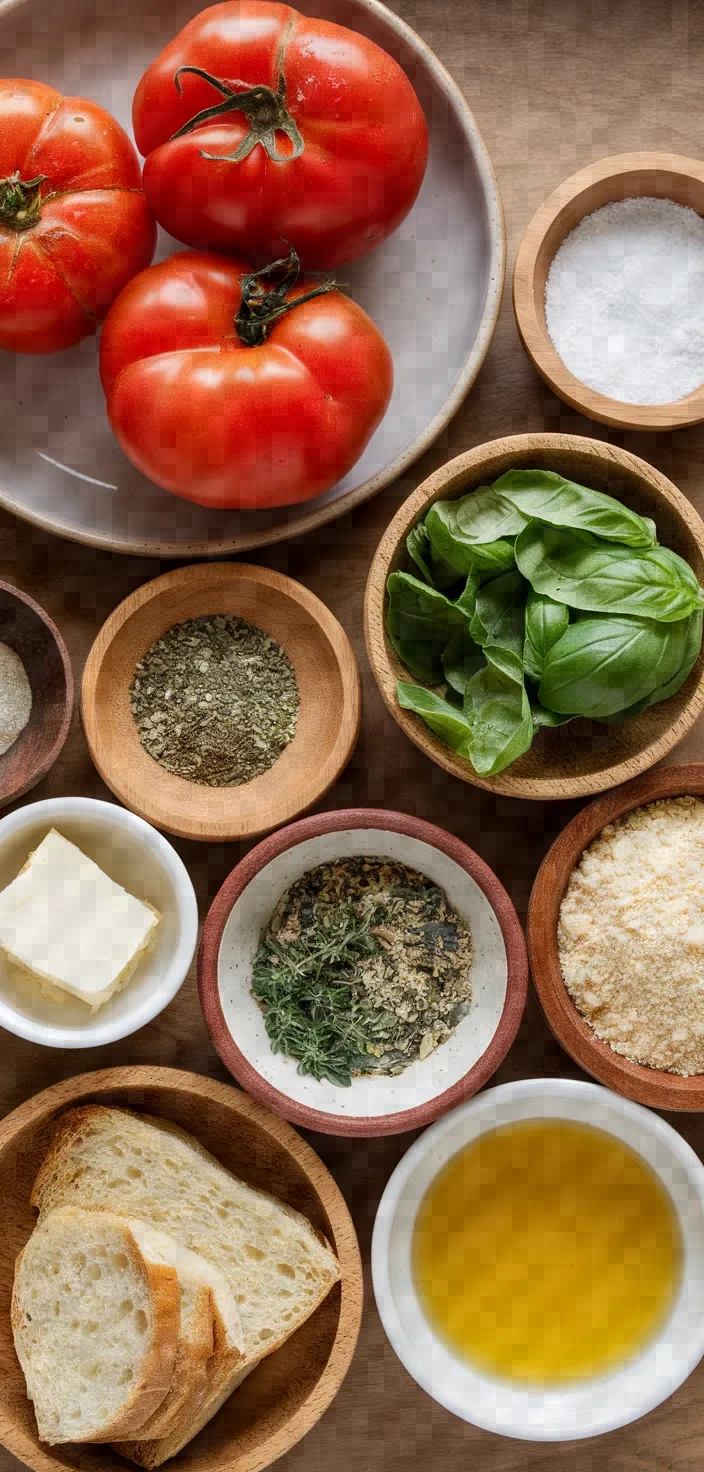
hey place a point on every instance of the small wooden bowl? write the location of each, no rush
(623, 176)
(27, 629)
(328, 719)
(646, 1085)
(582, 757)
(289, 1391)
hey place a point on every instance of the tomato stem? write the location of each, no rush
(264, 298)
(20, 201)
(265, 111)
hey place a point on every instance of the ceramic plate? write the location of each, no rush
(434, 289)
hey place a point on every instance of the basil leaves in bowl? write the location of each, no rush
(534, 616)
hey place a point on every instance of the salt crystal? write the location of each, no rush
(624, 301)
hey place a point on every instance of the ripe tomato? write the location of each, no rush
(74, 223)
(264, 128)
(241, 389)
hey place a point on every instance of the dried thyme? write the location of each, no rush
(215, 700)
(363, 968)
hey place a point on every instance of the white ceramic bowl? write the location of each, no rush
(569, 1413)
(371, 1105)
(144, 863)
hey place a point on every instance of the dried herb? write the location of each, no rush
(215, 700)
(363, 968)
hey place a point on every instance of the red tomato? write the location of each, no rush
(264, 128)
(74, 223)
(266, 421)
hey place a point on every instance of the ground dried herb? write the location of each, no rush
(215, 700)
(364, 967)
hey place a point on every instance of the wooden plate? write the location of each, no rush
(60, 466)
(35, 638)
(624, 176)
(582, 757)
(646, 1085)
(328, 718)
(288, 1392)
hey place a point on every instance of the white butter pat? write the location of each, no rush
(68, 924)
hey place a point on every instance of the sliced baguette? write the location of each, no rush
(95, 1320)
(278, 1268)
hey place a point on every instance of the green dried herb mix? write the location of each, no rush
(364, 967)
(215, 700)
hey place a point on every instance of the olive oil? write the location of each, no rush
(546, 1252)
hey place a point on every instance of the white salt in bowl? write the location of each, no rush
(571, 1412)
(370, 1105)
(623, 176)
(132, 853)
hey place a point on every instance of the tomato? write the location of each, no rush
(74, 223)
(241, 389)
(262, 128)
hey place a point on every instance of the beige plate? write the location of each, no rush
(434, 289)
(328, 719)
(582, 757)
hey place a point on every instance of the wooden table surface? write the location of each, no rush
(554, 84)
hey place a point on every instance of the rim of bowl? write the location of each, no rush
(535, 789)
(40, 769)
(335, 822)
(172, 979)
(398, 1181)
(674, 414)
(496, 232)
(653, 1087)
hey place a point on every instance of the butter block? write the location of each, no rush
(66, 923)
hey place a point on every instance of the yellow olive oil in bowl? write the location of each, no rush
(546, 1252)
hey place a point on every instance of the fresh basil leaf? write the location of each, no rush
(490, 558)
(444, 719)
(585, 573)
(546, 719)
(546, 622)
(693, 644)
(604, 665)
(461, 659)
(498, 710)
(418, 549)
(468, 597)
(420, 622)
(548, 497)
(499, 613)
(484, 516)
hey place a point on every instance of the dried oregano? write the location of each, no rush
(215, 700)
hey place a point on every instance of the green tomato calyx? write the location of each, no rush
(265, 111)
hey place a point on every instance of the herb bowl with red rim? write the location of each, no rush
(371, 1104)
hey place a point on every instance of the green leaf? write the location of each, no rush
(498, 710)
(543, 718)
(461, 659)
(585, 573)
(444, 719)
(548, 497)
(434, 570)
(483, 516)
(546, 622)
(489, 557)
(693, 644)
(604, 665)
(499, 613)
(420, 623)
(468, 597)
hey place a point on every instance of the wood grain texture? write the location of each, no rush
(624, 176)
(646, 1085)
(584, 756)
(328, 717)
(283, 1397)
(27, 629)
(249, 1077)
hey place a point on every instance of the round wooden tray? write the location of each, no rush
(60, 466)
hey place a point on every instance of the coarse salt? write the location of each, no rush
(624, 301)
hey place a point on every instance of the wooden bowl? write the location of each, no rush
(582, 757)
(430, 1086)
(328, 719)
(646, 1085)
(623, 176)
(289, 1391)
(30, 632)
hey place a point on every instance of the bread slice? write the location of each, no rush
(95, 1320)
(277, 1266)
(211, 1333)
